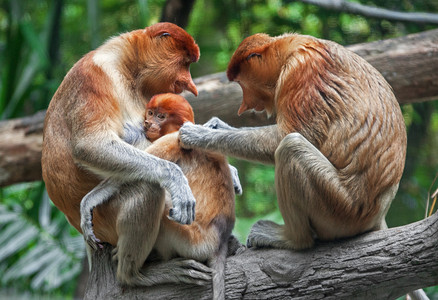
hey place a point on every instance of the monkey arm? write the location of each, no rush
(254, 143)
(97, 196)
(124, 163)
(166, 147)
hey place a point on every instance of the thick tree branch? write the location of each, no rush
(375, 12)
(378, 265)
(177, 12)
(408, 63)
(20, 149)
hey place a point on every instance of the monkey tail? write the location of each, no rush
(89, 251)
(217, 263)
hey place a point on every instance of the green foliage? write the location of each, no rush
(38, 249)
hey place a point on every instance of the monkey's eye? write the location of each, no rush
(165, 34)
(161, 116)
(150, 113)
(253, 55)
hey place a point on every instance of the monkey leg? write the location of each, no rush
(138, 224)
(305, 180)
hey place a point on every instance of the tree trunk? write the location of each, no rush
(177, 12)
(379, 265)
(20, 149)
(408, 63)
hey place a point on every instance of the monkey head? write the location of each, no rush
(158, 59)
(166, 113)
(256, 65)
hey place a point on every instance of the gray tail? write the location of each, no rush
(218, 265)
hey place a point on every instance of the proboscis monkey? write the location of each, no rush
(88, 138)
(208, 174)
(338, 145)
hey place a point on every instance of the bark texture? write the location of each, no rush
(378, 265)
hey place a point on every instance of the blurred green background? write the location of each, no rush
(40, 254)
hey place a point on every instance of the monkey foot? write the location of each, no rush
(92, 240)
(180, 270)
(266, 234)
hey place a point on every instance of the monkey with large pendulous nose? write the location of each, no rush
(339, 142)
(87, 139)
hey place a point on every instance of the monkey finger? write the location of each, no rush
(94, 243)
(193, 264)
(192, 272)
(174, 215)
(189, 134)
(213, 123)
(216, 123)
(190, 212)
(183, 216)
(183, 205)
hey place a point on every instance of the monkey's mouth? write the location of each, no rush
(152, 135)
(178, 87)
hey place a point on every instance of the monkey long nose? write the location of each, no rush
(191, 87)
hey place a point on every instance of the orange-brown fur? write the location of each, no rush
(316, 96)
(102, 96)
(210, 180)
(208, 175)
(165, 114)
(338, 146)
(86, 103)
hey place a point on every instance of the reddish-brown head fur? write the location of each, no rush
(180, 36)
(334, 98)
(256, 66)
(252, 45)
(175, 111)
(158, 59)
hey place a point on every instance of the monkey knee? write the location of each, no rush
(289, 145)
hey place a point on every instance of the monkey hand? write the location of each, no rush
(88, 233)
(236, 181)
(183, 201)
(191, 135)
(216, 123)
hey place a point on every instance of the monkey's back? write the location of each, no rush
(70, 112)
(345, 107)
(211, 183)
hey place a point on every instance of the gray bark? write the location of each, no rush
(378, 265)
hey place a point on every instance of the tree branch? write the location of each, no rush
(375, 12)
(408, 63)
(177, 12)
(378, 265)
